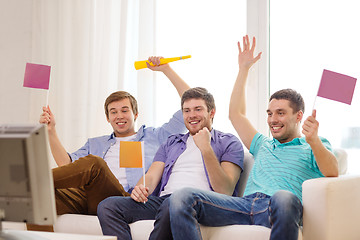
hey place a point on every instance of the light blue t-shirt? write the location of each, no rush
(281, 166)
(152, 138)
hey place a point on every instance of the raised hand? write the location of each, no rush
(310, 128)
(156, 62)
(48, 118)
(246, 55)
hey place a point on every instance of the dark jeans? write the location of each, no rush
(80, 186)
(116, 213)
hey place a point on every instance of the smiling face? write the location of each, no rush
(283, 122)
(196, 115)
(122, 118)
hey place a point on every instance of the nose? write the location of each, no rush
(192, 114)
(272, 119)
(119, 115)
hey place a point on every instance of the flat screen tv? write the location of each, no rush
(27, 189)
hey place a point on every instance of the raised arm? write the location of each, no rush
(237, 107)
(58, 151)
(325, 159)
(180, 85)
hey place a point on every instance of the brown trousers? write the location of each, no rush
(80, 186)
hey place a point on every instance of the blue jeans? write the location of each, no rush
(189, 207)
(116, 213)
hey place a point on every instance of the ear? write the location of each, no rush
(299, 116)
(135, 116)
(212, 113)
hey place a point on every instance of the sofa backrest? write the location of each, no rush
(248, 164)
(341, 156)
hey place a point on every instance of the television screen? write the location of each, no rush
(27, 189)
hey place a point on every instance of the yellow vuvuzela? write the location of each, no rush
(142, 64)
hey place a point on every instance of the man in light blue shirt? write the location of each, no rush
(272, 196)
(92, 173)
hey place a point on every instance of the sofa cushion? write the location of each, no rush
(85, 224)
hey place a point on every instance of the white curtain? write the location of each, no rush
(91, 46)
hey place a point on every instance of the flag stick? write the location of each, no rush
(316, 96)
(143, 161)
(314, 103)
(47, 98)
(143, 164)
(143, 175)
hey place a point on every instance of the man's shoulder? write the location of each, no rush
(220, 134)
(226, 140)
(176, 137)
(324, 141)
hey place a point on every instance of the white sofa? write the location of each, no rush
(331, 211)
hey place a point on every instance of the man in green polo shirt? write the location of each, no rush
(272, 196)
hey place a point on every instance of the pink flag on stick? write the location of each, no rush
(37, 76)
(336, 86)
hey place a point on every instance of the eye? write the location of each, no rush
(269, 114)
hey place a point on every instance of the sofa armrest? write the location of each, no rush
(78, 223)
(331, 208)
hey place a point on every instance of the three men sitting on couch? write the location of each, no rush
(273, 192)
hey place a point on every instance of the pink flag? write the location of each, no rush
(336, 86)
(37, 76)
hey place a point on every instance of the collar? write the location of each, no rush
(295, 141)
(139, 134)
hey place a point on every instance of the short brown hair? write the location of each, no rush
(120, 95)
(199, 93)
(295, 99)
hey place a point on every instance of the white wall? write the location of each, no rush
(15, 51)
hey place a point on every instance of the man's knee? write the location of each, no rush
(95, 161)
(285, 199)
(182, 195)
(105, 207)
(285, 204)
(181, 198)
(115, 205)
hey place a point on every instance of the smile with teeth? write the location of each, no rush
(276, 128)
(120, 123)
(194, 122)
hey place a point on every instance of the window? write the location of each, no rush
(209, 31)
(307, 37)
